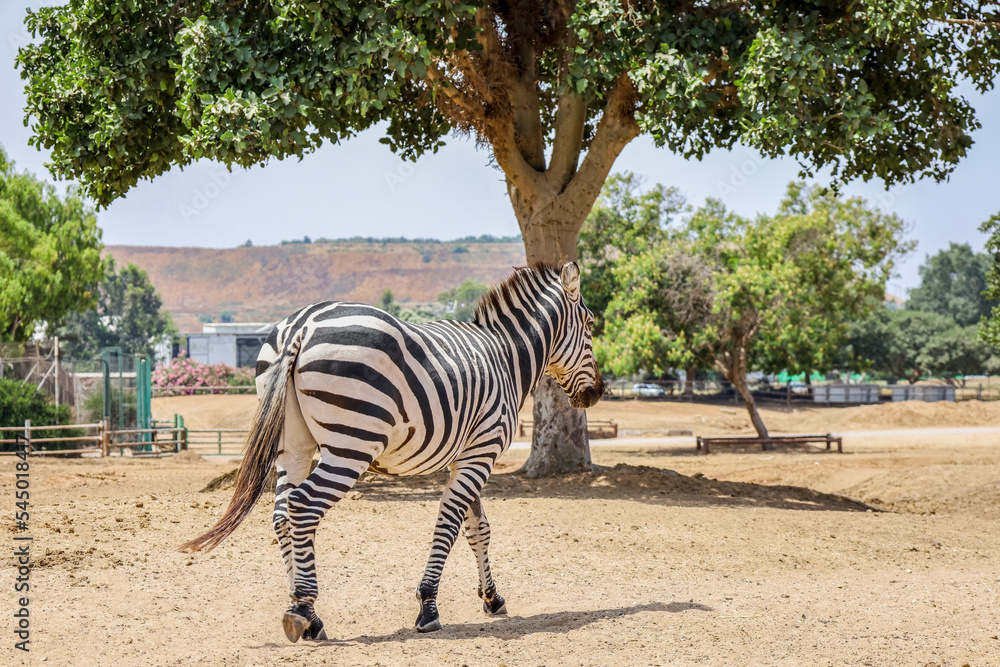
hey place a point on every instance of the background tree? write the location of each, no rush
(911, 344)
(460, 302)
(989, 329)
(737, 295)
(128, 315)
(50, 253)
(387, 302)
(555, 89)
(625, 220)
(952, 283)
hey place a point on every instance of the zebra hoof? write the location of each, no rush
(495, 607)
(430, 626)
(295, 626)
(429, 620)
(315, 632)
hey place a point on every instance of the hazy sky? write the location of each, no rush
(361, 188)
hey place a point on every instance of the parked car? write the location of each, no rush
(648, 390)
(798, 387)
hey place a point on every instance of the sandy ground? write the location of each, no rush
(742, 559)
(658, 417)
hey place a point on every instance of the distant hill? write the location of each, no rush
(267, 283)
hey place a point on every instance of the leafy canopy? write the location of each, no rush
(120, 91)
(50, 253)
(460, 302)
(952, 283)
(738, 294)
(910, 344)
(127, 315)
(626, 220)
(989, 330)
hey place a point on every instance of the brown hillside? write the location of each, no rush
(269, 282)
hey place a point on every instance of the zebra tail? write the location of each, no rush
(260, 451)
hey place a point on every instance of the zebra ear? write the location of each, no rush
(571, 278)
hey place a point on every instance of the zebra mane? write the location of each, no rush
(502, 293)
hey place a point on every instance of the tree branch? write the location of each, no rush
(438, 79)
(971, 22)
(526, 109)
(616, 128)
(571, 116)
(520, 174)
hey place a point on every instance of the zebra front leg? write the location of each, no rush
(306, 506)
(463, 487)
(477, 532)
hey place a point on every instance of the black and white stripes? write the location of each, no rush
(371, 391)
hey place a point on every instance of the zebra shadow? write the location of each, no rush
(515, 627)
(622, 482)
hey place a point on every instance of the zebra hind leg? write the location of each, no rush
(464, 485)
(306, 506)
(477, 532)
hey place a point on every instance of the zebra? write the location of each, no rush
(372, 392)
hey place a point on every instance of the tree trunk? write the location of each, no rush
(689, 375)
(559, 442)
(739, 381)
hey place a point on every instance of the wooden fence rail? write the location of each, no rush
(104, 439)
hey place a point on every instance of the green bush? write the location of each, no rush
(20, 401)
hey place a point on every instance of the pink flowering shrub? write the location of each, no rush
(187, 376)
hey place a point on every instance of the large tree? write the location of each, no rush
(911, 344)
(736, 294)
(50, 253)
(128, 315)
(952, 283)
(554, 88)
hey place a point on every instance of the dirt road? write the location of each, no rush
(742, 559)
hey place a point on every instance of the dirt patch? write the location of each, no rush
(662, 557)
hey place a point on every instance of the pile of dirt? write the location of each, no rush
(187, 456)
(222, 482)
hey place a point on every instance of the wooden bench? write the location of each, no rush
(596, 428)
(706, 443)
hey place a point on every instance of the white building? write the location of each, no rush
(233, 343)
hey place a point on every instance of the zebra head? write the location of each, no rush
(572, 362)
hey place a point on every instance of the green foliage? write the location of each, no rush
(624, 221)
(127, 315)
(121, 91)
(461, 301)
(50, 253)
(735, 294)
(910, 344)
(388, 303)
(989, 329)
(952, 283)
(21, 400)
(418, 315)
